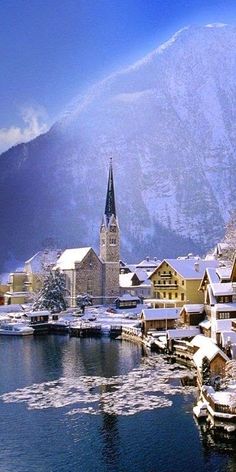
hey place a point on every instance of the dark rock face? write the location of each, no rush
(168, 121)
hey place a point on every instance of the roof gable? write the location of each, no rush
(70, 256)
(192, 269)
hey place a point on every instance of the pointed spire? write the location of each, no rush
(110, 208)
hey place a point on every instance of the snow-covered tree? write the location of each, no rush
(83, 300)
(230, 238)
(206, 372)
(230, 373)
(52, 295)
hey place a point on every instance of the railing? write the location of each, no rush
(165, 276)
(169, 286)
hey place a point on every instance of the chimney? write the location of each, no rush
(196, 266)
(147, 258)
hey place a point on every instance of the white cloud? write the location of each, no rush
(34, 123)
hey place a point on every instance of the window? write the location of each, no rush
(175, 282)
(170, 296)
(182, 282)
(223, 316)
(182, 296)
(176, 295)
(112, 240)
(164, 294)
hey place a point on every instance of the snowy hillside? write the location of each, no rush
(169, 122)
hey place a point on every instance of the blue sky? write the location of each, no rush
(53, 49)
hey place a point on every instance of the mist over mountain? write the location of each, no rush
(168, 122)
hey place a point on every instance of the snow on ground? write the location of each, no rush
(127, 317)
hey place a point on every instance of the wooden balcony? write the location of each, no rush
(167, 286)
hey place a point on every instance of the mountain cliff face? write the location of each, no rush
(169, 122)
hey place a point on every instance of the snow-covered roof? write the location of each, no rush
(194, 308)
(224, 272)
(207, 348)
(205, 324)
(151, 314)
(200, 341)
(190, 268)
(220, 248)
(212, 275)
(70, 256)
(146, 283)
(14, 308)
(182, 333)
(32, 314)
(222, 307)
(148, 263)
(228, 337)
(127, 297)
(141, 274)
(222, 325)
(125, 280)
(219, 289)
(42, 258)
(227, 397)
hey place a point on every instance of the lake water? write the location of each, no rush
(99, 405)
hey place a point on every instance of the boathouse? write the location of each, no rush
(158, 318)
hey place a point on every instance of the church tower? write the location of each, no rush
(110, 244)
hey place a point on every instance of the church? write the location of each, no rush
(84, 270)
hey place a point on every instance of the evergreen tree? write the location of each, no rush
(205, 371)
(84, 300)
(52, 295)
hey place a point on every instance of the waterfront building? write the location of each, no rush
(158, 319)
(206, 348)
(219, 290)
(175, 282)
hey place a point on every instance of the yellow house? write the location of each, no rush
(175, 282)
(24, 283)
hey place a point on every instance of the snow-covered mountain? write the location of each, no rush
(169, 122)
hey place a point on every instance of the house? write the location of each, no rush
(176, 281)
(178, 341)
(218, 286)
(147, 264)
(206, 348)
(192, 315)
(135, 283)
(205, 328)
(24, 282)
(158, 318)
(127, 301)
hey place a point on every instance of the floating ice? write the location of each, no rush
(144, 388)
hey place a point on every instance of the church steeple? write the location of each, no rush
(110, 208)
(109, 230)
(110, 244)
